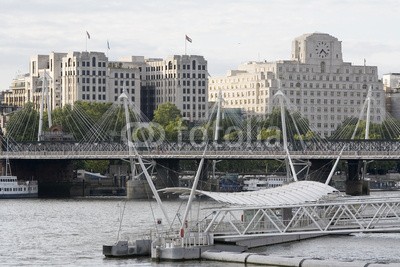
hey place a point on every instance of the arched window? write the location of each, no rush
(93, 62)
(193, 64)
(170, 65)
(322, 66)
(69, 62)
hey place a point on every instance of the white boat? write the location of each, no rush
(269, 181)
(254, 184)
(11, 187)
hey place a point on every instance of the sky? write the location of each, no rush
(226, 32)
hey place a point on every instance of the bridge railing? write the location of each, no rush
(361, 149)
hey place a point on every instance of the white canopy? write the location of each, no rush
(291, 194)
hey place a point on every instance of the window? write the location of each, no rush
(322, 67)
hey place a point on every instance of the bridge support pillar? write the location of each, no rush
(166, 176)
(355, 185)
(138, 189)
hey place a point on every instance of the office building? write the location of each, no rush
(316, 80)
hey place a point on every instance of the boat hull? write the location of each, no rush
(124, 249)
(13, 196)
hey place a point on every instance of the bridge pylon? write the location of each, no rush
(357, 169)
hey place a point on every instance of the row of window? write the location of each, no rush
(330, 93)
(200, 99)
(132, 83)
(87, 63)
(171, 66)
(87, 80)
(199, 91)
(187, 83)
(19, 189)
(8, 180)
(192, 115)
(87, 88)
(71, 63)
(338, 70)
(87, 72)
(298, 93)
(328, 78)
(173, 76)
(121, 75)
(99, 97)
(199, 106)
(317, 85)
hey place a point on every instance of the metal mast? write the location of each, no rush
(132, 150)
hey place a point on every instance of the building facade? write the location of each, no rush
(391, 82)
(317, 82)
(391, 85)
(181, 80)
(89, 76)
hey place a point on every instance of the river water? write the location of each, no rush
(71, 232)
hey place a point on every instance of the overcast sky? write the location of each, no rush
(226, 32)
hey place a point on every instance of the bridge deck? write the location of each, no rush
(369, 149)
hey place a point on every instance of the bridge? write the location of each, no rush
(256, 150)
(291, 138)
(291, 132)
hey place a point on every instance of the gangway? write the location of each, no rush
(342, 215)
(302, 209)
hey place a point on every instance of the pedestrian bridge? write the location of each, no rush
(352, 150)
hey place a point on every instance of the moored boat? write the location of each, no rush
(11, 187)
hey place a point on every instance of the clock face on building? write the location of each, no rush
(322, 49)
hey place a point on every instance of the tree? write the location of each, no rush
(385, 130)
(170, 118)
(98, 166)
(24, 124)
(165, 113)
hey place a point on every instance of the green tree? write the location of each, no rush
(98, 166)
(165, 113)
(24, 124)
(376, 131)
(169, 117)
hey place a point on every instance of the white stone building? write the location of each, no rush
(391, 85)
(324, 88)
(391, 81)
(181, 80)
(89, 76)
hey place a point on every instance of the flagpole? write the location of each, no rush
(108, 48)
(86, 40)
(185, 44)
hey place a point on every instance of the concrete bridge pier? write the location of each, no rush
(166, 176)
(138, 188)
(355, 185)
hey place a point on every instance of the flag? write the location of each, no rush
(108, 45)
(88, 35)
(188, 39)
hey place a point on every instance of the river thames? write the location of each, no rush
(71, 232)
